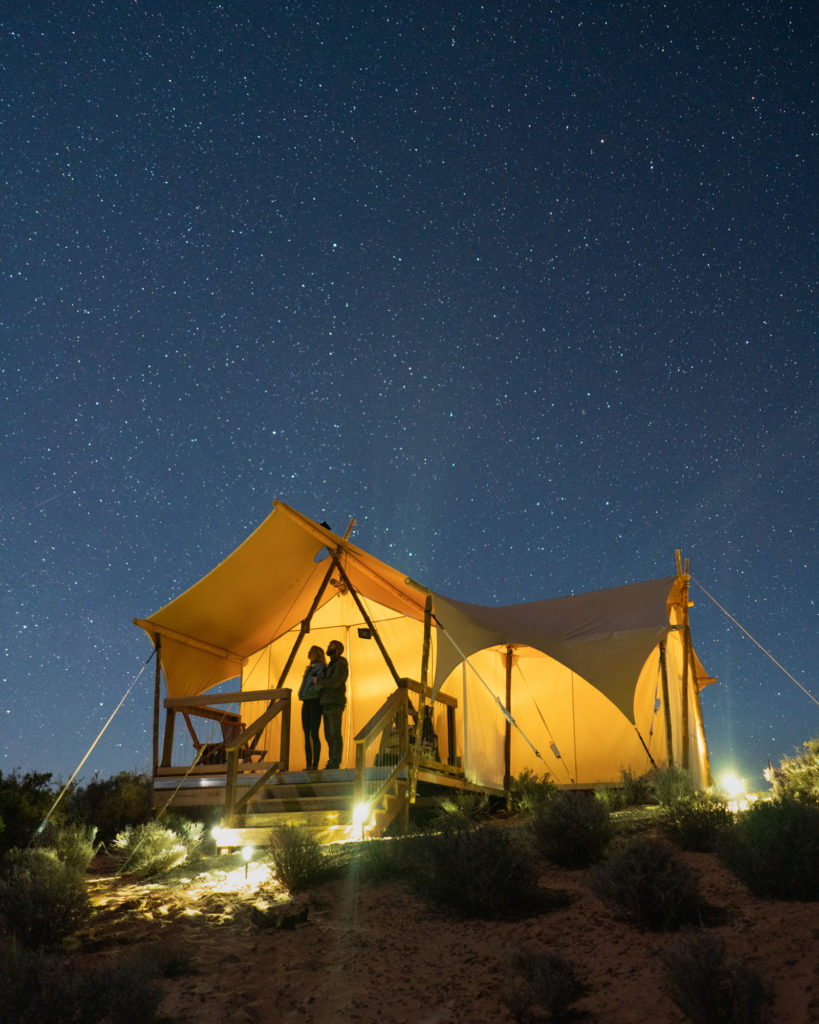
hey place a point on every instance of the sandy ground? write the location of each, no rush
(375, 953)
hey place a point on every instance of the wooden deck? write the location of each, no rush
(323, 802)
(396, 752)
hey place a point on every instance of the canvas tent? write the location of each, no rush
(594, 683)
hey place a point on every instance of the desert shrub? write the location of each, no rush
(711, 990)
(695, 822)
(529, 790)
(611, 797)
(148, 849)
(297, 858)
(546, 985)
(36, 987)
(72, 844)
(460, 809)
(636, 788)
(572, 829)
(112, 804)
(42, 900)
(650, 882)
(25, 800)
(797, 777)
(633, 791)
(487, 873)
(190, 833)
(670, 783)
(774, 849)
(382, 860)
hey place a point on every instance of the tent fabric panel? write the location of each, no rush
(596, 635)
(370, 682)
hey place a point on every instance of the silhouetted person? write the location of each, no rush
(333, 689)
(310, 696)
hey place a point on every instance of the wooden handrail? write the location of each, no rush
(384, 714)
(242, 697)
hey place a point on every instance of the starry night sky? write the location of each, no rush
(525, 287)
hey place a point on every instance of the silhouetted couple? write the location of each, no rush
(323, 693)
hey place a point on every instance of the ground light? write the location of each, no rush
(732, 787)
(362, 816)
(247, 857)
(226, 839)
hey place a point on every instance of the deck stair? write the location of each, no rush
(322, 802)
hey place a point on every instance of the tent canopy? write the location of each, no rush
(250, 607)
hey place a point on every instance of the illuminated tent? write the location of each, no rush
(593, 683)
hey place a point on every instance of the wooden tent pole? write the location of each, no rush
(157, 686)
(507, 739)
(427, 642)
(686, 738)
(669, 735)
(305, 627)
(368, 620)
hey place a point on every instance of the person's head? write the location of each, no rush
(315, 654)
(335, 649)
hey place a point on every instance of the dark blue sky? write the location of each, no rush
(526, 288)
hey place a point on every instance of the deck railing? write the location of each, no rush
(390, 726)
(239, 744)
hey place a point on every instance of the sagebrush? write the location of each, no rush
(39, 988)
(42, 899)
(773, 847)
(149, 849)
(572, 829)
(298, 861)
(489, 872)
(650, 882)
(670, 783)
(709, 988)
(545, 987)
(696, 822)
(461, 809)
(797, 777)
(530, 790)
(73, 844)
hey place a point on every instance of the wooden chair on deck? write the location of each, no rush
(216, 753)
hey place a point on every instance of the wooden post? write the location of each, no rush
(698, 707)
(284, 756)
(507, 739)
(669, 735)
(686, 739)
(368, 620)
(167, 744)
(425, 651)
(230, 787)
(305, 627)
(157, 686)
